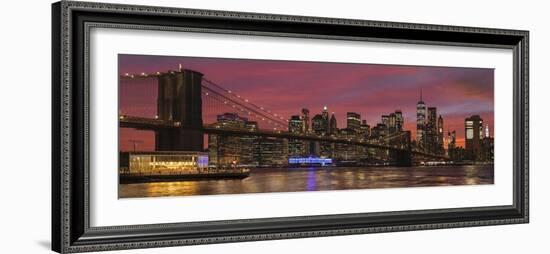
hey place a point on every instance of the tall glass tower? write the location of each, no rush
(420, 121)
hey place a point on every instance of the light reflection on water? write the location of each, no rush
(317, 179)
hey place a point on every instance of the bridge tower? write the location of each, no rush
(403, 158)
(180, 100)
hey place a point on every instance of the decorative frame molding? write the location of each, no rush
(71, 22)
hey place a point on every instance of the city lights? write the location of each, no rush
(429, 137)
(237, 126)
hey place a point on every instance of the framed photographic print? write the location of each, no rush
(181, 126)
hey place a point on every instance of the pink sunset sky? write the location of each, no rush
(286, 87)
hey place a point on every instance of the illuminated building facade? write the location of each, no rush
(324, 114)
(473, 127)
(163, 163)
(364, 130)
(487, 149)
(429, 128)
(386, 120)
(230, 150)
(250, 150)
(487, 146)
(296, 147)
(347, 152)
(394, 122)
(451, 144)
(390, 124)
(399, 121)
(306, 120)
(271, 152)
(295, 124)
(265, 151)
(440, 136)
(379, 131)
(247, 145)
(309, 146)
(420, 122)
(226, 150)
(430, 135)
(353, 120)
(318, 125)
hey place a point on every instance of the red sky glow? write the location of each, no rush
(285, 87)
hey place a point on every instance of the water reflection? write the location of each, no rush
(316, 179)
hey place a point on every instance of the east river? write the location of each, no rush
(318, 179)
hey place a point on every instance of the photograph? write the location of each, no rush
(207, 126)
(224, 127)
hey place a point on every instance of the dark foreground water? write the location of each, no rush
(318, 179)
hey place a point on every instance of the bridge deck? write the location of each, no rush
(155, 124)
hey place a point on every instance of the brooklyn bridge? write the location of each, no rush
(186, 101)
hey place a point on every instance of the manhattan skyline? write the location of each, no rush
(286, 87)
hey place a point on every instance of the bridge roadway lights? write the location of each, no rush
(180, 100)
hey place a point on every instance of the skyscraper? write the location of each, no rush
(325, 148)
(473, 127)
(295, 124)
(270, 151)
(399, 120)
(364, 129)
(325, 113)
(305, 118)
(432, 117)
(353, 121)
(451, 139)
(393, 122)
(451, 144)
(385, 119)
(318, 125)
(379, 131)
(326, 123)
(307, 129)
(487, 146)
(420, 121)
(431, 130)
(440, 135)
(333, 126)
(347, 152)
(227, 150)
(296, 147)
(247, 144)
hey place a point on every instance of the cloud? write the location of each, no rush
(372, 90)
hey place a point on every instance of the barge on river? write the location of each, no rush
(210, 174)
